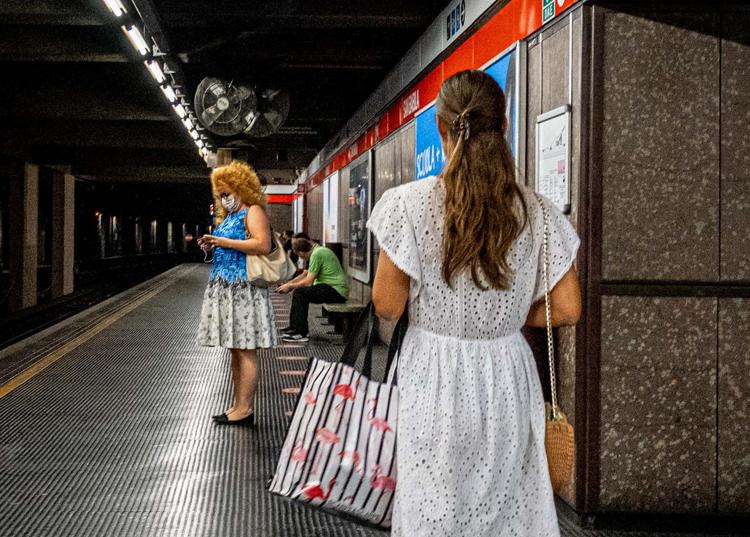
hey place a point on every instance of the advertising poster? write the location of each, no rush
(553, 157)
(297, 214)
(429, 158)
(331, 209)
(360, 187)
(504, 73)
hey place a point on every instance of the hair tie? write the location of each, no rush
(461, 124)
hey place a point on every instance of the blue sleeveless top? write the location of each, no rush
(230, 265)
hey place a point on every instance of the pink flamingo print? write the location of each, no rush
(314, 491)
(327, 436)
(324, 436)
(346, 392)
(299, 453)
(310, 399)
(381, 425)
(382, 482)
(354, 456)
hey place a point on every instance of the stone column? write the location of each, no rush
(24, 229)
(63, 233)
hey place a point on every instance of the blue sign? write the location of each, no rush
(429, 158)
(504, 73)
(429, 149)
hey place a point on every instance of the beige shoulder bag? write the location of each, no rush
(271, 268)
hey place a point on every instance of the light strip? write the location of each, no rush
(199, 143)
(169, 93)
(136, 39)
(188, 124)
(155, 69)
(116, 7)
(194, 135)
(180, 110)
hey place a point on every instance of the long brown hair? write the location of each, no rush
(484, 207)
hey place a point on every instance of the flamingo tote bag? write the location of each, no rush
(340, 449)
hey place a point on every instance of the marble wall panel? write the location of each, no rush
(661, 146)
(734, 405)
(658, 404)
(555, 65)
(735, 147)
(533, 107)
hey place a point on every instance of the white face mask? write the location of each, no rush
(230, 203)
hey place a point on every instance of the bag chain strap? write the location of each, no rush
(548, 314)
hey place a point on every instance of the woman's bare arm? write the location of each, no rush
(565, 303)
(390, 291)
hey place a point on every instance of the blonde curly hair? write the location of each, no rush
(239, 177)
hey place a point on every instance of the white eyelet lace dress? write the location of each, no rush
(470, 454)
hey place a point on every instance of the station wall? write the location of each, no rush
(652, 377)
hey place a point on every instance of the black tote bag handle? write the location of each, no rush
(364, 335)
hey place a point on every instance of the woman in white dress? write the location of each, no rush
(464, 251)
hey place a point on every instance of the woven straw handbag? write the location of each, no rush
(558, 432)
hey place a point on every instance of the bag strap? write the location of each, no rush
(365, 335)
(548, 312)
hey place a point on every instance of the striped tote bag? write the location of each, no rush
(340, 450)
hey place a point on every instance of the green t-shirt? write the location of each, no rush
(327, 269)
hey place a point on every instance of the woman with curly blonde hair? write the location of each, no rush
(236, 314)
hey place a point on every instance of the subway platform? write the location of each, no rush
(106, 427)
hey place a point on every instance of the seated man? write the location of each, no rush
(324, 281)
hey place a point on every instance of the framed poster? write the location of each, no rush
(553, 157)
(331, 208)
(359, 199)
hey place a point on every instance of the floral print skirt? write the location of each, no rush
(237, 316)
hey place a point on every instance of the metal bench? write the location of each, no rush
(343, 316)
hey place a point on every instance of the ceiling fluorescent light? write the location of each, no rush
(188, 124)
(180, 110)
(116, 7)
(194, 135)
(155, 69)
(169, 93)
(136, 39)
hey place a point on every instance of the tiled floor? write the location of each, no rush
(114, 436)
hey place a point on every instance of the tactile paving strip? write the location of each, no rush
(115, 438)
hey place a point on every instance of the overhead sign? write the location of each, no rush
(429, 149)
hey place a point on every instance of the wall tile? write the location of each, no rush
(658, 333)
(735, 97)
(661, 146)
(555, 62)
(658, 404)
(534, 107)
(661, 468)
(734, 405)
(735, 223)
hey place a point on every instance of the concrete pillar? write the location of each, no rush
(24, 229)
(63, 233)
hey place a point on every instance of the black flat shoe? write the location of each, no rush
(221, 416)
(248, 421)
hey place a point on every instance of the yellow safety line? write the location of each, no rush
(76, 342)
